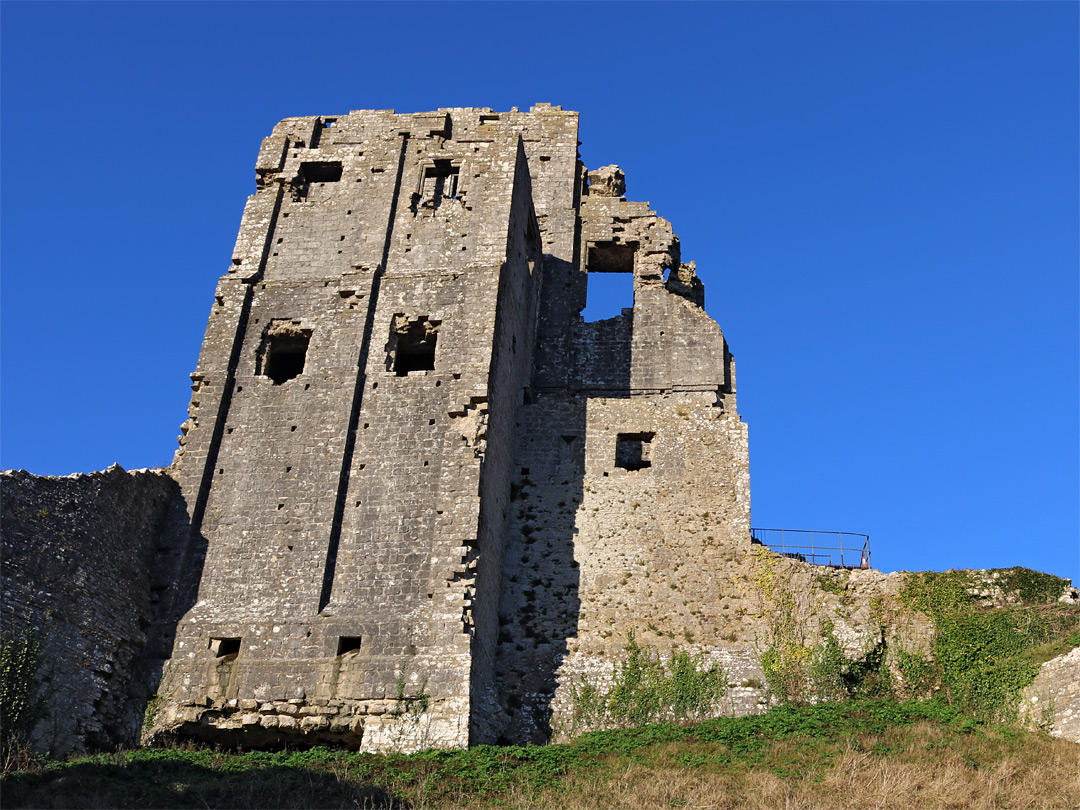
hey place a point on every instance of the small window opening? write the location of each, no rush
(633, 451)
(440, 182)
(347, 644)
(284, 351)
(223, 647)
(610, 280)
(413, 344)
(321, 171)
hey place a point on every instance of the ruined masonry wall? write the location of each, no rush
(1052, 700)
(366, 504)
(79, 554)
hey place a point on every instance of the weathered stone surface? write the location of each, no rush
(405, 442)
(80, 566)
(1052, 701)
(418, 496)
(607, 181)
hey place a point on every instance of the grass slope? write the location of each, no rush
(843, 755)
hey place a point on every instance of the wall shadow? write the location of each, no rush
(175, 779)
(540, 609)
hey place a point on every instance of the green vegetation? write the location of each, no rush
(984, 657)
(981, 659)
(841, 738)
(645, 688)
(20, 704)
(411, 707)
(830, 755)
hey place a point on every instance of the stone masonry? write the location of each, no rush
(405, 443)
(418, 496)
(80, 565)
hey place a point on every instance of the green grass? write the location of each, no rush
(792, 743)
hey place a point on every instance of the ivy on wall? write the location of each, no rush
(984, 656)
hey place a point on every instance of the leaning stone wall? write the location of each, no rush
(79, 553)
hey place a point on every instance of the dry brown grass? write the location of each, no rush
(925, 768)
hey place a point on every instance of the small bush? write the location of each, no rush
(645, 688)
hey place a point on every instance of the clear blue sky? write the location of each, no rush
(881, 198)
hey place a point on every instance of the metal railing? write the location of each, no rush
(833, 549)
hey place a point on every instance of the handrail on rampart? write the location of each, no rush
(833, 549)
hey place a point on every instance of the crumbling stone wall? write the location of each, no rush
(79, 557)
(345, 522)
(418, 496)
(1052, 700)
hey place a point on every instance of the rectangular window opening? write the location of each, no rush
(633, 451)
(413, 344)
(284, 351)
(607, 295)
(610, 280)
(321, 171)
(348, 644)
(440, 182)
(224, 647)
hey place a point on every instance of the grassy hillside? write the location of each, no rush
(868, 753)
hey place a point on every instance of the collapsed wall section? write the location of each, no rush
(79, 558)
(631, 473)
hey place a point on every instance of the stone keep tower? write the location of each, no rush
(420, 489)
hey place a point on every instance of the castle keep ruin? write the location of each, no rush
(420, 500)
(407, 448)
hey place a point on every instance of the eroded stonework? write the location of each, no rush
(406, 444)
(419, 496)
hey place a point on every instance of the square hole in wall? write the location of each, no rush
(347, 644)
(412, 344)
(610, 280)
(321, 171)
(440, 182)
(633, 451)
(284, 351)
(222, 647)
(607, 294)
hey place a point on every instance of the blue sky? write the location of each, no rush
(882, 199)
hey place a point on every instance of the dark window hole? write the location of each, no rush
(412, 344)
(321, 171)
(633, 451)
(284, 351)
(440, 181)
(348, 644)
(222, 647)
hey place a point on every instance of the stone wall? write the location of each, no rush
(79, 554)
(1052, 701)
(419, 497)
(346, 521)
